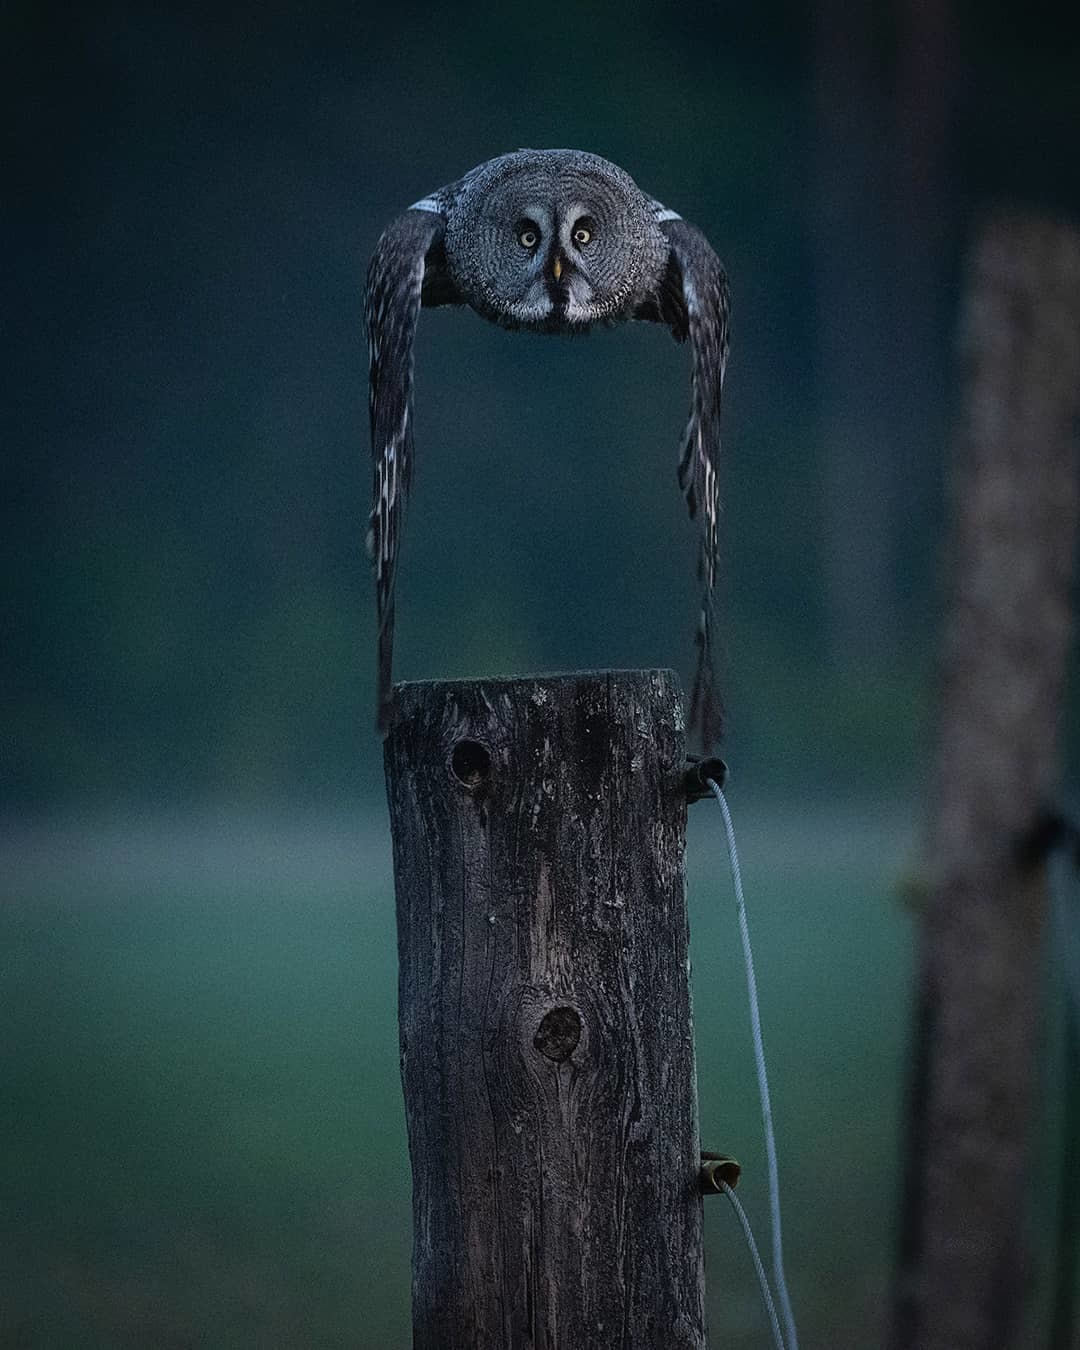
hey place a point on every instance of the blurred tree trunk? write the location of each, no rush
(881, 228)
(1063, 1325)
(1013, 487)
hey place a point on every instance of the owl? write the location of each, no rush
(556, 241)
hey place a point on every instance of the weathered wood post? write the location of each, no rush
(961, 1280)
(544, 1000)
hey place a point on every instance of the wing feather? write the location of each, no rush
(406, 263)
(694, 300)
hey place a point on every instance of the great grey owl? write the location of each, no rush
(554, 241)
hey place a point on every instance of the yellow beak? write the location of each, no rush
(556, 267)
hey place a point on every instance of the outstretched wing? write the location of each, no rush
(694, 301)
(406, 268)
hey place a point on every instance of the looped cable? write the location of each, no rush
(763, 1279)
(791, 1339)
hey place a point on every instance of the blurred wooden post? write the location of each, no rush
(544, 1000)
(962, 1275)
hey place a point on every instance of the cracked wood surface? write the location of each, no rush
(546, 1038)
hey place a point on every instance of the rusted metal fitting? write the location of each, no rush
(717, 1168)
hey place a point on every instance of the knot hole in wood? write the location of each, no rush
(558, 1033)
(470, 763)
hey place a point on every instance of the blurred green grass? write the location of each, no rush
(205, 1137)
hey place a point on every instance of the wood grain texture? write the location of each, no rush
(546, 1037)
(963, 1271)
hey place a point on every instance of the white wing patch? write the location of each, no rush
(662, 213)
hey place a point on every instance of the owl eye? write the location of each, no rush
(528, 234)
(583, 232)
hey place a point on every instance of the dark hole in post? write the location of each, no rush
(697, 774)
(717, 1168)
(558, 1033)
(470, 763)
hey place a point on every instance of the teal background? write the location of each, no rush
(203, 1134)
(206, 1135)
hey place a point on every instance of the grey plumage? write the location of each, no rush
(555, 241)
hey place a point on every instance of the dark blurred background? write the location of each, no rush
(208, 1146)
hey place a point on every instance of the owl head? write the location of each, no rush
(552, 239)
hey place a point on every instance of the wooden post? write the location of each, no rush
(962, 1277)
(547, 1047)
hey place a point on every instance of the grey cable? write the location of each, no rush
(763, 1281)
(790, 1334)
